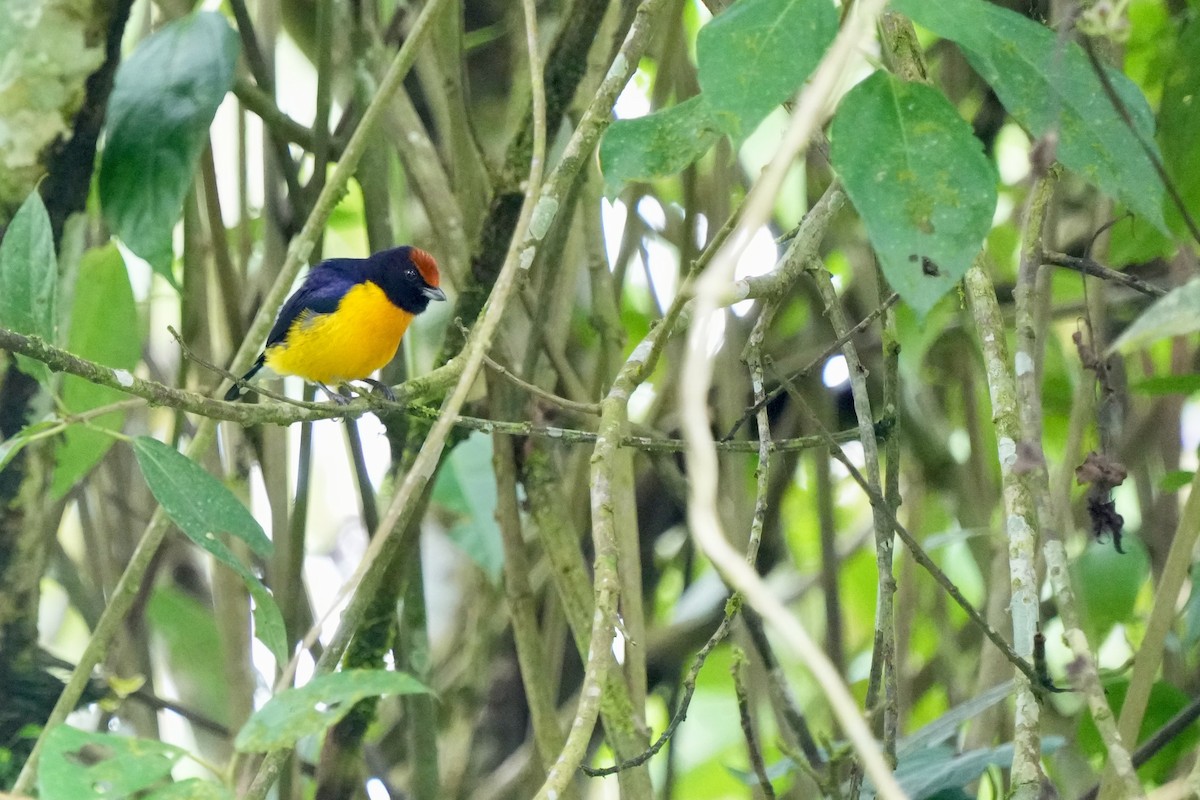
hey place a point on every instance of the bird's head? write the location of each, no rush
(408, 276)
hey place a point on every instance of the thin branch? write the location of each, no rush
(1087, 266)
(738, 670)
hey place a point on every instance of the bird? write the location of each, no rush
(346, 319)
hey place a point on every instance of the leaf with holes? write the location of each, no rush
(76, 764)
(318, 705)
(755, 55)
(203, 508)
(920, 181)
(29, 279)
(163, 100)
(1048, 85)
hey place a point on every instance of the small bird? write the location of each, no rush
(346, 319)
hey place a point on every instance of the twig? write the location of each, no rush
(1087, 266)
(738, 670)
(833, 347)
(537, 391)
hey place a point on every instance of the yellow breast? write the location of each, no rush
(355, 340)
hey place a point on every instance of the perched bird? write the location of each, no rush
(346, 319)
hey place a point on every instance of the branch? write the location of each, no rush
(703, 518)
(1097, 270)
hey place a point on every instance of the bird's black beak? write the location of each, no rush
(433, 293)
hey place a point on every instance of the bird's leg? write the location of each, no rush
(337, 397)
(383, 388)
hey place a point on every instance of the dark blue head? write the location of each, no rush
(407, 275)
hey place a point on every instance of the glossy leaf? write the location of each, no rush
(920, 181)
(757, 53)
(203, 509)
(76, 764)
(657, 145)
(945, 726)
(466, 486)
(104, 328)
(1174, 314)
(1048, 84)
(309, 710)
(29, 279)
(1164, 703)
(162, 103)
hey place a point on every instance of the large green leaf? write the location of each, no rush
(466, 486)
(162, 103)
(1048, 84)
(919, 178)
(203, 508)
(295, 713)
(657, 145)
(1178, 122)
(104, 328)
(76, 764)
(29, 279)
(756, 54)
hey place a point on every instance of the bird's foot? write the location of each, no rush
(337, 397)
(382, 388)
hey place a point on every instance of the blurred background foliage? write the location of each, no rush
(178, 153)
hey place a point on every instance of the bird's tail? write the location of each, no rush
(237, 390)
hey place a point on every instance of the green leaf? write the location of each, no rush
(192, 789)
(466, 486)
(29, 279)
(919, 178)
(1175, 314)
(756, 54)
(1048, 84)
(1165, 702)
(76, 764)
(931, 770)
(202, 508)
(162, 103)
(193, 647)
(1175, 479)
(945, 726)
(104, 328)
(309, 710)
(1191, 614)
(1178, 121)
(1107, 583)
(657, 145)
(1169, 384)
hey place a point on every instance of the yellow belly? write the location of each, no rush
(355, 340)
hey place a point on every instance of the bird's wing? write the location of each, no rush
(320, 294)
